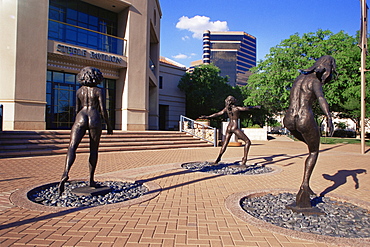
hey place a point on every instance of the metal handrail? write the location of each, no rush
(199, 130)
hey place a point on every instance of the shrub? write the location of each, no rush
(344, 133)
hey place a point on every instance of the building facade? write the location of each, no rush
(171, 99)
(233, 52)
(47, 42)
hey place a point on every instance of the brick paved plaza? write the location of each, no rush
(189, 210)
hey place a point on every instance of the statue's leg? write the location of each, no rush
(94, 135)
(224, 146)
(305, 191)
(240, 134)
(297, 135)
(77, 134)
(313, 142)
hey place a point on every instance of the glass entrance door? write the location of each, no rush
(61, 94)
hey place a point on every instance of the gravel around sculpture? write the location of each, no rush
(227, 168)
(119, 191)
(340, 219)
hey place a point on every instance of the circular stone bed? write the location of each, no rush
(119, 191)
(345, 222)
(123, 192)
(227, 168)
(341, 219)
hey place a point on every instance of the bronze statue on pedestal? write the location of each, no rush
(299, 118)
(90, 105)
(233, 112)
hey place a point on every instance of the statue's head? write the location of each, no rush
(324, 67)
(230, 100)
(90, 76)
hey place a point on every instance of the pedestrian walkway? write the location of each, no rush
(189, 210)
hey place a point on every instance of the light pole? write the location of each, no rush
(363, 47)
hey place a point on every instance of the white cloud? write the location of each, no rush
(185, 38)
(198, 24)
(180, 56)
(183, 56)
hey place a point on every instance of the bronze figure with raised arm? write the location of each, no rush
(233, 112)
(90, 105)
(299, 118)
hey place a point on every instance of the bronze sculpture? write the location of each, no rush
(233, 113)
(299, 118)
(90, 105)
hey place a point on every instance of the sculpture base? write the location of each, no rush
(305, 211)
(91, 191)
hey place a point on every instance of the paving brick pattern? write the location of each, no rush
(189, 211)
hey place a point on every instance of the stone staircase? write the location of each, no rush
(53, 142)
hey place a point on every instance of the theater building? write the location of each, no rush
(45, 43)
(171, 98)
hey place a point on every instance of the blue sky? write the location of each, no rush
(270, 21)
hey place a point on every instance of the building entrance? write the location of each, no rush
(61, 99)
(163, 117)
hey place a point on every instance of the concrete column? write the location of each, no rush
(23, 63)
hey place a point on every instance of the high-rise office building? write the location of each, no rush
(233, 52)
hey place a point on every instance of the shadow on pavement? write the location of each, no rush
(272, 159)
(11, 179)
(36, 219)
(340, 178)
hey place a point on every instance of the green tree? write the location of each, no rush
(270, 83)
(205, 90)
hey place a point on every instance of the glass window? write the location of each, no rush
(58, 77)
(93, 23)
(88, 16)
(92, 40)
(71, 35)
(82, 37)
(54, 30)
(71, 15)
(48, 75)
(83, 18)
(56, 13)
(70, 78)
(160, 82)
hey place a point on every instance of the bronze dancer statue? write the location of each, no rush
(233, 113)
(299, 118)
(90, 104)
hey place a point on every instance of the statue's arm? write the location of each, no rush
(317, 88)
(103, 110)
(214, 114)
(78, 101)
(247, 108)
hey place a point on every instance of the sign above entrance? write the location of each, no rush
(92, 54)
(66, 49)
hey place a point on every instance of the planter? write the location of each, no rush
(202, 121)
(256, 134)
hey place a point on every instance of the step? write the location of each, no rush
(35, 143)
